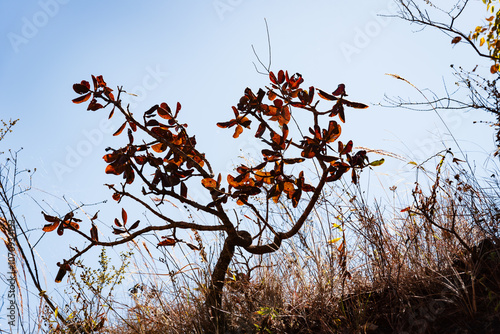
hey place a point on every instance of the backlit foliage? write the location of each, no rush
(167, 162)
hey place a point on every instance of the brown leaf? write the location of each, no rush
(184, 190)
(51, 219)
(50, 227)
(120, 129)
(63, 269)
(134, 225)
(93, 233)
(326, 96)
(494, 68)
(81, 88)
(124, 216)
(82, 98)
(456, 40)
(340, 90)
(167, 242)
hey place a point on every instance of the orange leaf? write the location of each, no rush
(163, 112)
(120, 129)
(456, 40)
(82, 98)
(50, 227)
(167, 242)
(158, 148)
(209, 183)
(494, 68)
(238, 131)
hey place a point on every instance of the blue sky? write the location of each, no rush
(199, 53)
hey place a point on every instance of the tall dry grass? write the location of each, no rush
(431, 265)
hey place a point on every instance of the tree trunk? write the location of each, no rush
(214, 297)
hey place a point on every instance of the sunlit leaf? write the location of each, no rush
(355, 105)
(50, 227)
(167, 242)
(209, 183)
(120, 129)
(347, 148)
(332, 241)
(82, 98)
(227, 124)
(237, 131)
(159, 148)
(377, 162)
(494, 68)
(326, 96)
(273, 78)
(164, 112)
(281, 76)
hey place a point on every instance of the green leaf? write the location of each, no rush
(377, 162)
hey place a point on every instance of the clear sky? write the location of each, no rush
(199, 53)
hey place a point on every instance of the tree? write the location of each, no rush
(483, 93)
(168, 163)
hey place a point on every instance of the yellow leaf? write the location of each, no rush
(481, 42)
(334, 240)
(334, 225)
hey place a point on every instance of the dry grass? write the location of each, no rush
(430, 266)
